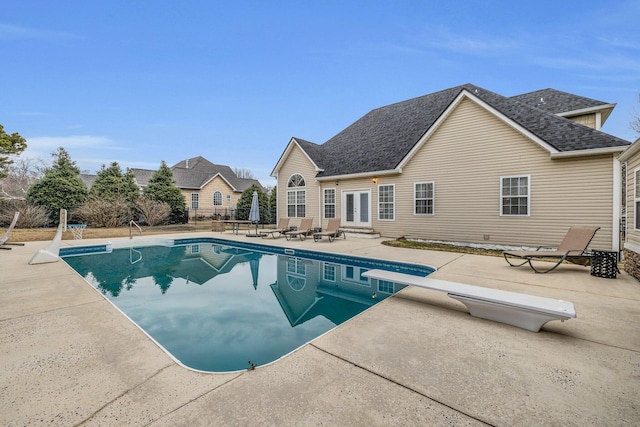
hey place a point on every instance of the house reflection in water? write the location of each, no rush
(203, 262)
(306, 289)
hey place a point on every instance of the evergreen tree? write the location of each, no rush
(111, 183)
(10, 145)
(273, 205)
(60, 187)
(244, 204)
(162, 188)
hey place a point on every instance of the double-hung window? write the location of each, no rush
(329, 202)
(515, 197)
(386, 202)
(195, 200)
(423, 198)
(296, 197)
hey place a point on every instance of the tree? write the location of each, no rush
(162, 188)
(21, 174)
(60, 187)
(244, 173)
(9, 145)
(273, 204)
(635, 123)
(244, 204)
(111, 183)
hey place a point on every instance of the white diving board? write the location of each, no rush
(524, 311)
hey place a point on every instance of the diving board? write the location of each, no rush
(524, 311)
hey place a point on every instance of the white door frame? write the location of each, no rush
(357, 208)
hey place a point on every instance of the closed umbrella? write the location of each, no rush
(254, 266)
(254, 213)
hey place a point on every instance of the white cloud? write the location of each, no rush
(15, 32)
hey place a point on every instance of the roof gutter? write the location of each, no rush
(590, 152)
(360, 175)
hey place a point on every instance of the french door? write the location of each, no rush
(356, 208)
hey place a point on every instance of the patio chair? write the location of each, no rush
(5, 237)
(332, 231)
(283, 225)
(572, 249)
(304, 229)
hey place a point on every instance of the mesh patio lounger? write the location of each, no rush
(5, 237)
(303, 230)
(572, 248)
(283, 226)
(332, 231)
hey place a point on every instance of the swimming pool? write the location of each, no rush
(218, 306)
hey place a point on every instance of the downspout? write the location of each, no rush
(617, 203)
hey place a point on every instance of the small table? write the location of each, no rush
(76, 230)
(235, 224)
(604, 263)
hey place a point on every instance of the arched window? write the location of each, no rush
(217, 198)
(296, 180)
(296, 197)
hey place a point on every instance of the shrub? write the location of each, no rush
(104, 213)
(30, 216)
(153, 212)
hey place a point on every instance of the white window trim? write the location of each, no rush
(302, 188)
(528, 176)
(214, 198)
(324, 202)
(197, 199)
(433, 198)
(296, 191)
(394, 202)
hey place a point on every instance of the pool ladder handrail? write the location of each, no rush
(131, 260)
(131, 224)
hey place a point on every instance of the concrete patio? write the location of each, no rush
(68, 357)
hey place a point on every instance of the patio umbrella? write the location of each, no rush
(254, 266)
(254, 213)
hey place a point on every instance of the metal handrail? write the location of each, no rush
(132, 223)
(131, 251)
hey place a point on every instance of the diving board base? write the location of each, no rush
(514, 316)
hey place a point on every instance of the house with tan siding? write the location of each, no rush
(630, 159)
(208, 188)
(463, 165)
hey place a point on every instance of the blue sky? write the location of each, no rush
(145, 81)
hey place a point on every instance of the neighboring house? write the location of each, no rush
(463, 165)
(207, 187)
(631, 161)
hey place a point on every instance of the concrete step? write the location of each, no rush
(360, 232)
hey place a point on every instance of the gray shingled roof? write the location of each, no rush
(197, 171)
(142, 176)
(556, 102)
(382, 138)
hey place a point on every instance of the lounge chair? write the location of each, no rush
(332, 231)
(573, 249)
(5, 237)
(283, 226)
(304, 229)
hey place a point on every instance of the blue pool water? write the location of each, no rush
(220, 308)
